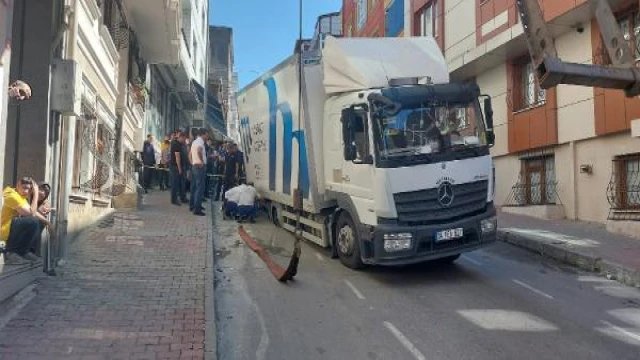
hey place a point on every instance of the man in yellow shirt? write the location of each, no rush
(21, 222)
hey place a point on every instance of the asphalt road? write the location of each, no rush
(498, 303)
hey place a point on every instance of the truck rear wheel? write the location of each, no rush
(348, 243)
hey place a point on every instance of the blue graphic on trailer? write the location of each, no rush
(287, 143)
(245, 135)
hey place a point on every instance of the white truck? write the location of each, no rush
(392, 159)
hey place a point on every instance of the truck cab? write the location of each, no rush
(410, 169)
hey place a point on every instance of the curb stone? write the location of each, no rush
(567, 255)
(210, 332)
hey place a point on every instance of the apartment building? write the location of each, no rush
(566, 152)
(174, 82)
(221, 72)
(91, 65)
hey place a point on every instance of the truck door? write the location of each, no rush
(357, 174)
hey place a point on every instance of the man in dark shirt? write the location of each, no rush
(178, 169)
(232, 164)
(149, 162)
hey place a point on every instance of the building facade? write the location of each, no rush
(92, 80)
(221, 74)
(174, 79)
(567, 152)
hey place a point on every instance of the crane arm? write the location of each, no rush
(552, 71)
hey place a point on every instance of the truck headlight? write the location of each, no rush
(397, 242)
(489, 225)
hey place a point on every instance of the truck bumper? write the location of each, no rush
(424, 246)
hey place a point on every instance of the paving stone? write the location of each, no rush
(134, 288)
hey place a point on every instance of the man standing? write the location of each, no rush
(21, 222)
(232, 167)
(149, 162)
(198, 155)
(178, 169)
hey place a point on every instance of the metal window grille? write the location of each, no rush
(536, 185)
(623, 192)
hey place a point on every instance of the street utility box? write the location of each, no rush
(66, 87)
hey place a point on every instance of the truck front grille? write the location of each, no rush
(423, 208)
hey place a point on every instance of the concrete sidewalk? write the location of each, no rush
(138, 286)
(584, 245)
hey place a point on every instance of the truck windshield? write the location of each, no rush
(429, 128)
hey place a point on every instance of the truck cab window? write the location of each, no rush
(360, 137)
(432, 127)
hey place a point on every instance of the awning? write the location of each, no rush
(214, 116)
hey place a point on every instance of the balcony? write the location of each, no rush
(157, 25)
(99, 53)
(466, 59)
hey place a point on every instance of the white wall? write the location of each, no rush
(459, 28)
(200, 32)
(575, 103)
(494, 83)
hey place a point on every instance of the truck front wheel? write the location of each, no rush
(348, 243)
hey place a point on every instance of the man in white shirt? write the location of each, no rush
(231, 198)
(247, 207)
(198, 160)
(240, 201)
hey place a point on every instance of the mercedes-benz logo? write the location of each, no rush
(445, 194)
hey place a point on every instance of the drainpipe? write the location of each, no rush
(574, 179)
(55, 141)
(206, 74)
(69, 131)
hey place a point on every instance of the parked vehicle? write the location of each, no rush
(392, 158)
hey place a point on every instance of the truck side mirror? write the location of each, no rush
(488, 114)
(348, 117)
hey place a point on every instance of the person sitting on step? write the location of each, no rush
(21, 222)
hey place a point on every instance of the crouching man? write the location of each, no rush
(230, 203)
(21, 222)
(240, 202)
(247, 205)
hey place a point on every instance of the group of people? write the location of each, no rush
(205, 168)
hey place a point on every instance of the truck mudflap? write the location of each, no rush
(428, 242)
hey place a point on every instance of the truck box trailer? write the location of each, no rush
(391, 158)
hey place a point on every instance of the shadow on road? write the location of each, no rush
(432, 272)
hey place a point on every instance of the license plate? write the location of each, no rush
(450, 234)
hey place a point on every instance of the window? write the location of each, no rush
(538, 181)
(355, 132)
(533, 94)
(624, 190)
(360, 137)
(82, 159)
(428, 20)
(361, 10)
(630, 26)
(527, 92)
